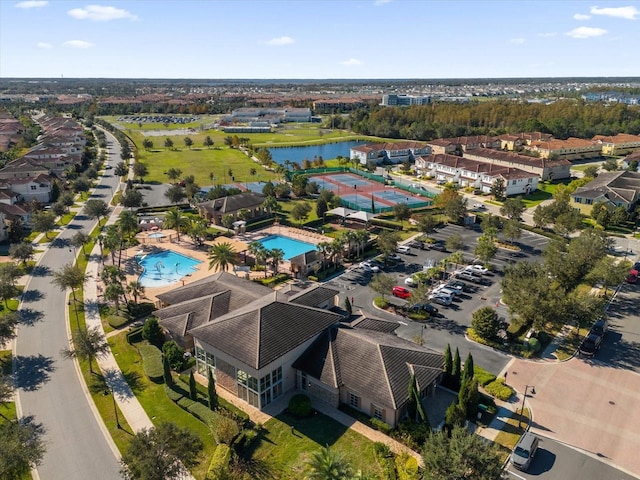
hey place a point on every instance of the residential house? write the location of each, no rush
(215, 210)
(466, 144)
(23, 168)
(479, 175)
(388, 153)
(569, 149)
(306, 264)
(261, 344)
(547, 169)
(29, 188)
(620, 144)
(510, 142)
(613, 189)
(633, 157)
(16, 213)
(531, 137)
(443, 146)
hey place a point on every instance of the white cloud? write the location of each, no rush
(44, 45)
(630, 13)
(581, 16)
(32, 4)
(586, 32)
(517, 41)
(381, 2)
(279, 41)
(78, 44)
(351, 62)
(100, 13)
(547, 34)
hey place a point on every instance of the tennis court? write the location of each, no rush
(349, 180)
(362, 201)
(395, 196)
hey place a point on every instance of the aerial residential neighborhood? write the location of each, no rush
(319, 254)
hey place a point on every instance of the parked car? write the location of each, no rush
(441, 299)
(416, 244)
(410, 282)
(108, 167)
(400, 292)
(442, 289)
(427, 307)
(479, 206)
(395, 257)
(469, 276)
(524, 451)
(600, 327)
(455, 286)
(403, 249)
(439, 246)
(590, 345)
(478, 269)
(632, 276)
(458, 285)
(369, 267)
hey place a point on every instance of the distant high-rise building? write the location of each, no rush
(400, 100)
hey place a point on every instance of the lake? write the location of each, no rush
(326, 151)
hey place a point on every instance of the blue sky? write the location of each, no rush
(300, 39)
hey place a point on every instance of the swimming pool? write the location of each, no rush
(289, 246)
(156, 235)
(164, 268)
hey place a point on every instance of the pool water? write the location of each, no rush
(289, 246)
(156, 235)
(164, 268)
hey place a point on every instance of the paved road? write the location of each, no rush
(48, 385)
(555, 461)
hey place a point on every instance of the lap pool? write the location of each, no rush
(164, 268)
(290, 247)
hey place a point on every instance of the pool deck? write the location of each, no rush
(186, 247)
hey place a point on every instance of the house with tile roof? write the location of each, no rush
(613, 189)
(215, 210)
(261, 344)
(620, 144)
(547, 169)
(570, 149)
(479, 175)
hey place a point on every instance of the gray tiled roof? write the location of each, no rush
(376, 324)
(373, 364)
(618, 187)
(265, 330)
(233, 203)
(194, 312)
(314, 296)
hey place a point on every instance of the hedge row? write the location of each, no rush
(134, 336)
(268, 282)
(152, 362)
(116, 321)
(482, 376)
(499, 390)
(218, 468)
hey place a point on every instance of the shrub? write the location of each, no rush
(174, 395)
(244, 440)
(174, 354)
(381, 426)
(382, 450)
(380, 302)
(300, 405)
(152, 332)
(139, 310)
(202, 413)
(406, 466)
(312, 278)
(152, 362)
(134, 336)
(534, 345)
(224, 430)
(482, 375)
(116, 321)
(219, 466)
(499, 390)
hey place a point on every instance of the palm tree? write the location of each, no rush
(361, 238)
(136, 289)
(69, 276)
(174, 173)
(174, 219)
(277, 255)
(111, 240)
(112, 293)
(328, 465)
(348, 237)
(337, 248)
(221, 255)
(87, 345)
(127, 224)
(259, 252)
(324, 248)
(80, 239)
(456, 258)
(197, 230)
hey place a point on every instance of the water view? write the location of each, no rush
(326, 151)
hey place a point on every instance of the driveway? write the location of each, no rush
(78, 446)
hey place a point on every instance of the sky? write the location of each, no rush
(328, 39)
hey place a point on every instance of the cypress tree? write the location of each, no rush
(411, 404)
(347, 305)
(448, 365)
(455, 371)
(193, 391)
(166, 371)
(467, 374)
(211, 390)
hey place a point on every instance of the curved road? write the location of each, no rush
(78, 446)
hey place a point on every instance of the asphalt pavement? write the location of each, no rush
(78, 446)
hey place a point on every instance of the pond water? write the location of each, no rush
(326, 151)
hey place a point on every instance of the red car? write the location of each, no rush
(632, 277)
(400, 292)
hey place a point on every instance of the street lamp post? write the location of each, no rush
(355, 187)
(533, 392)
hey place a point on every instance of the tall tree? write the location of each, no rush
(175, 219)
(188, 142)
(43, 222)
(8, 323)
(222, 255)
(96, 209)
(87, 344)
(512, 208)
(164, 452)
(69, 276)
(467, 373)
(23, 252)
(193, 391)
(447, 367)
(208, 142)
(211, 390)
(22, 446)
(79, 240)
(456, 372)
(175, 193)
(140, 170)
(174, 173)
(402, 212)
(166, 371)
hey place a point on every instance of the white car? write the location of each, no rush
(410, 282)
(444, 290)
(479, 206)
(403, 249)
(367, 267)
(477, 269)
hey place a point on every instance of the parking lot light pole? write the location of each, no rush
(533, 392)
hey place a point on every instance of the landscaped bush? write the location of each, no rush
(174, 395)
(272, 281)
(174, 354)
(406, 466)
(300, 405)
(116, 321)
(134, 336)
(482, 376)
(381, 426)
(224, 429)
(245, 439)
(203, 413)
(499, 390)
(534, 345)
(312, 278)
(139, 310)
(380, 302)
(152, 332)
(219, 466)
(152, 362)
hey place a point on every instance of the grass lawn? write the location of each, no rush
(286, 453)
(511, 432)
(570, 343)
(155, 401)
